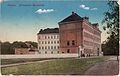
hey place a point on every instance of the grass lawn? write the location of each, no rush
(20, 60)
(55, 67)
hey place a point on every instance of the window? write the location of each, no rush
(54, 42)
(54, 37)
(48, 37)
(68, 51)
(21, 53)
(45, 42)
(73, 42)
(45, 37)
(54, 47)
(39, 42)
(39, 48)
(51, 37)
(38, 37)
(42, 42)
(45, 47)
(52, 52)
(58, 42)
(51, 42)
(58, 47)
(98, 49)
(68, 43)
(51, 47)
(57, 37)
(42, 47)
(48, 47)
(45, 52)
(48, 42)
(58, 52)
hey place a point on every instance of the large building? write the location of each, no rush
(78, 35)
(48, 41)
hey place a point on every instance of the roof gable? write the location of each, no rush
(73, 17)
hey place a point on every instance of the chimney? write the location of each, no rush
(86, 18)
(73, 12)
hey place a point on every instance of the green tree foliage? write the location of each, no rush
(111, 19)
(5, 48)
(34, 44)
(9, 48)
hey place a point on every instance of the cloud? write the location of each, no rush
(93, 8)
(86, 7)
(40, 11)
(82, 6)
(1, 1)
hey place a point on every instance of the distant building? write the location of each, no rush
(48, 41)
(78, 35)
(26, 50)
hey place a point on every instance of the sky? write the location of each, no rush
(21, 20)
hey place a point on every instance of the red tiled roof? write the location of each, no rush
(73, 17)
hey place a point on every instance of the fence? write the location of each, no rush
(39, 56)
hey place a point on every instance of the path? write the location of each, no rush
(108, 67)
(8, 65)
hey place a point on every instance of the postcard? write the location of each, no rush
(59, 37)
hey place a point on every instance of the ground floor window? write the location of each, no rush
(52, 52)
(45, 52)
(68, 51)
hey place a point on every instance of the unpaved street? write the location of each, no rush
(109, 67)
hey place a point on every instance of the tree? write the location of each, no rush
(34, 44)
(5, 48)
(111, 19)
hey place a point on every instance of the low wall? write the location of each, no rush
(39, 56)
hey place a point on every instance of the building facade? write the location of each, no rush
(78, 35)
(26, 50)
(48, 41)
(20, 51)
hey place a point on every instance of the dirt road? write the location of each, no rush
(109, 67)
